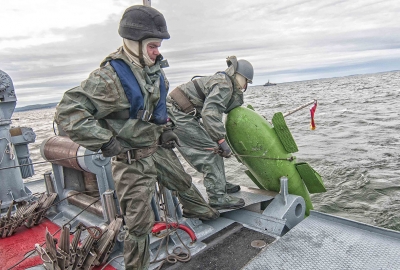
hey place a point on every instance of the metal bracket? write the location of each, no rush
(285, 206)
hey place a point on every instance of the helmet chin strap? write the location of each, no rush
(137, 51)
(141, 58)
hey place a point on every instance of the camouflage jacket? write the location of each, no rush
(82, 111)
(221, 96)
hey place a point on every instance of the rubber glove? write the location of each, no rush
(111, 148)
(169, 139)
(224, 150)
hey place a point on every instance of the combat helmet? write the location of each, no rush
(245, 69)
(141, 22)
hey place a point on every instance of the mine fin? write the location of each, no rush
(250, 107)
(283, 133)
(311, 178)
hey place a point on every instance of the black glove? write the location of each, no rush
(224, 150)
(169, 139)
(112, 148)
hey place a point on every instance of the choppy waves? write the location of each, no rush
(355, 147)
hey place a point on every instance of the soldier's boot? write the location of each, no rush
(232, 188)
(194, 205)
(225, 201)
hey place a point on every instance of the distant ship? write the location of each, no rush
(269, 84)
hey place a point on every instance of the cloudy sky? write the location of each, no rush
(49, 46)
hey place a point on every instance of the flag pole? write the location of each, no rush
(299, 108)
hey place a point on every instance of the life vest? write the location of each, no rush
(135, 97)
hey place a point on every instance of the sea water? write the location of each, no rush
(355, 146)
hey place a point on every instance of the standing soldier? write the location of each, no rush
(121, 109)
(196, 109)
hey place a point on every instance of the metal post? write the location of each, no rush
(48, 180)
(299, 108)
(147, 3)
(110, 206)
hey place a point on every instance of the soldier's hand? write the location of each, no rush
(224, 150)
(112, 148)
(169, 139)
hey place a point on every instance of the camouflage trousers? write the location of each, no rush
(194, 139)
(135, 186)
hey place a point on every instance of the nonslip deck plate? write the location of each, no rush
(229, 249)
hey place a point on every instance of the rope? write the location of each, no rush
(200, 149)
(41, 162)
(116, 257)
(215, 150)
(177, 254)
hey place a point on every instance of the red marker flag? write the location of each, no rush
(312, 111)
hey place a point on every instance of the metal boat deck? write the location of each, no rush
(320, 241)
(323, 241)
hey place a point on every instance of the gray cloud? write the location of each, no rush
(285, 41)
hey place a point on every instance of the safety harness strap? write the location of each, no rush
(223, 72)
(124, 114)
(181, 100)
(118, 115)
(198, 89)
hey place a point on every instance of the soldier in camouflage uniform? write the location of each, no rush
(196, 108)
(98, 115)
